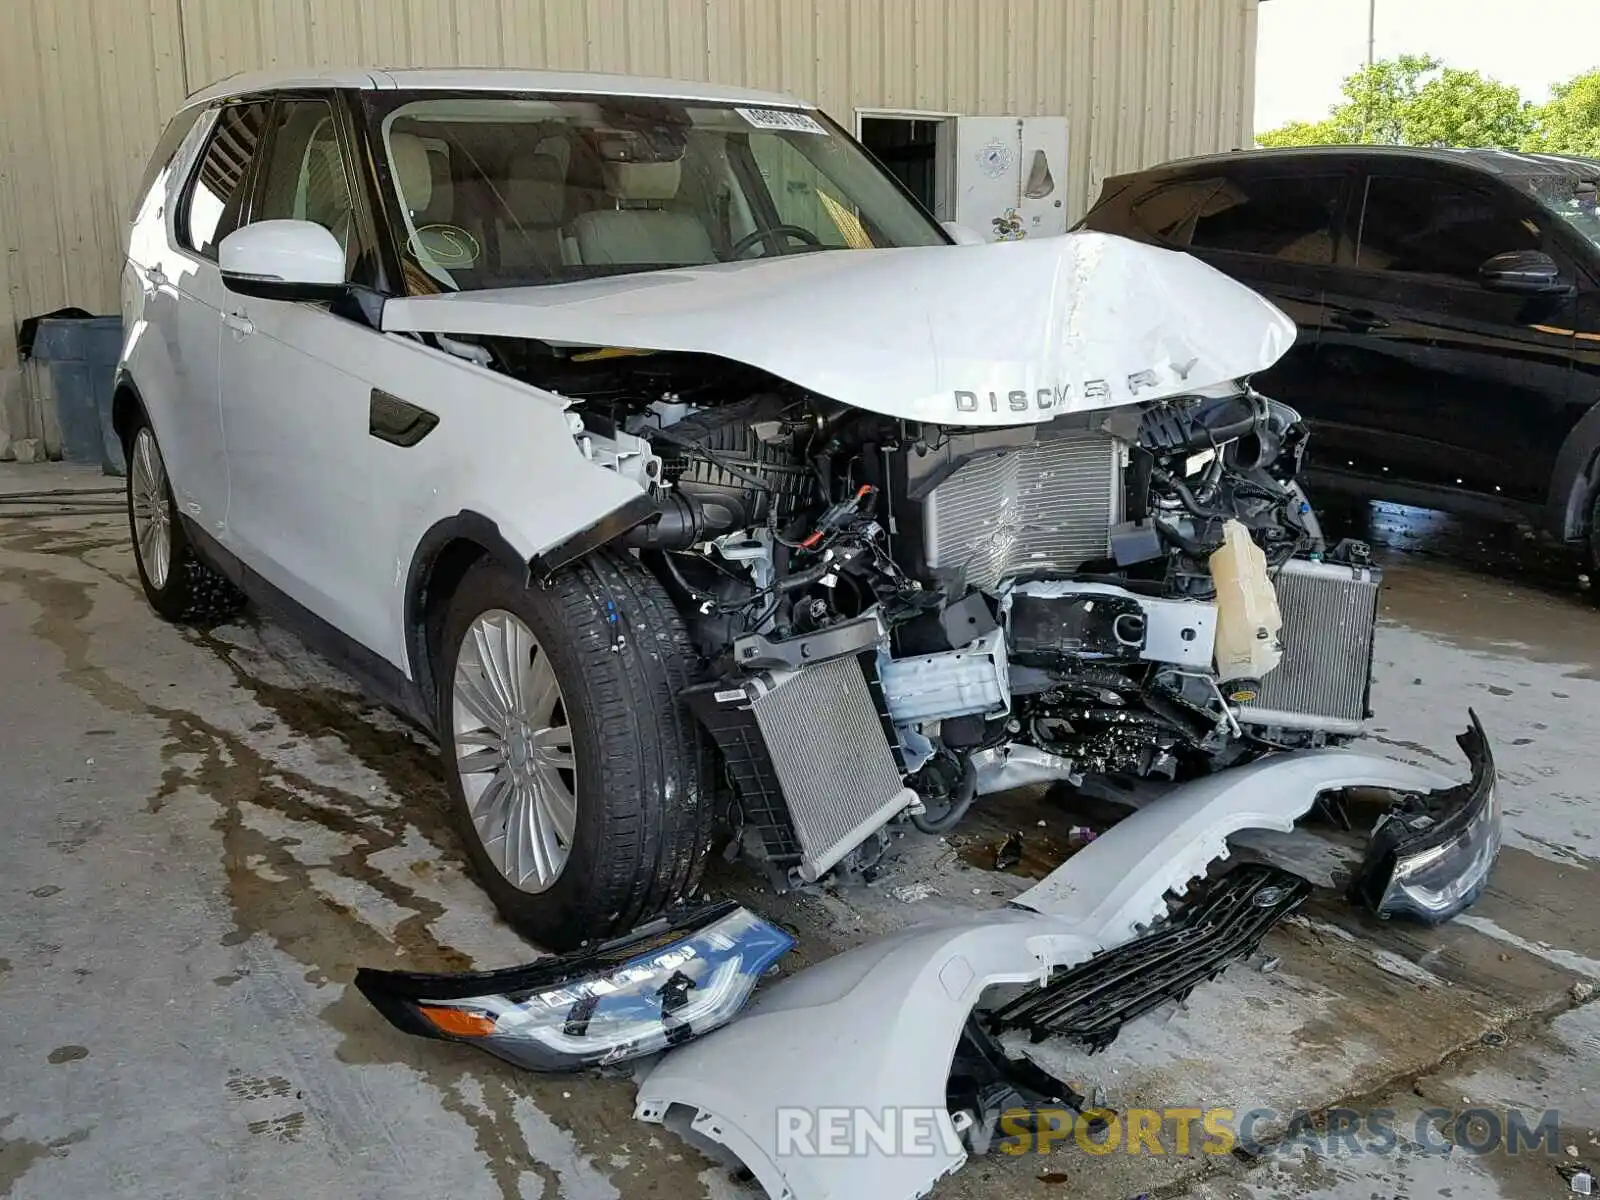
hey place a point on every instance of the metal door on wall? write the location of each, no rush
(1011, 176)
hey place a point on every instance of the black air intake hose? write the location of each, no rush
(684, 521)
(1170, 430)
(960, 801)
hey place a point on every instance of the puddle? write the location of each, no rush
(275, 895)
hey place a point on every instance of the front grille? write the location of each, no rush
(1091, 1002)
(832, 759)
(1330, 615)
(1044, 509)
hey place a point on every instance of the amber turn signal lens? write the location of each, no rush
(458, 1021)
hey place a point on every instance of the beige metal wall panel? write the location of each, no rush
(85, 85)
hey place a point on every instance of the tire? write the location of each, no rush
(635, 823)
(179, 586)
(1591, 546)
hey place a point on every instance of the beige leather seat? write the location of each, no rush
(413, 173)
(529, 233)
(644, 232)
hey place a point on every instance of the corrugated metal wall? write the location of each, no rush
(86, 84)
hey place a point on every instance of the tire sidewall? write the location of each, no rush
(543, 914)
(171, 600)
(1592, 546)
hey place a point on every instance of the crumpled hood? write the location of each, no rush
(1003, 334)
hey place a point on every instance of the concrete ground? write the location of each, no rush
(208, 832)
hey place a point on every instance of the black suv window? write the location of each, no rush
(1169, 212)
(1432, 228)
(215, 199)
(1287, 217)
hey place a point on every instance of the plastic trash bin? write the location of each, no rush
(82, 354)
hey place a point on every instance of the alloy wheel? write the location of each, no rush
(514, 753)
(152, 516)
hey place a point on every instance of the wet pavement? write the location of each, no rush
(208, 832)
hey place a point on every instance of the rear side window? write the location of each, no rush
(1169, 213)
(1423, 227)
(1286, 217)
(215, 200)
(155, 170)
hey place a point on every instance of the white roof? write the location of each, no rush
(492, 79)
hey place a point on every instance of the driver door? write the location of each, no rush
(305, 505)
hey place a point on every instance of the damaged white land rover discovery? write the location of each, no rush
(651, 446)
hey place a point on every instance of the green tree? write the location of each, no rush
(1462, 108)
(1570, 122)
(1303, 133)
(1415, 100)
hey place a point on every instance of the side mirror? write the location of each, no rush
(960, 234)
(283, 260)
(1532, 272)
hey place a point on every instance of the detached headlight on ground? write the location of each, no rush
(1432, 859)
(665, 983)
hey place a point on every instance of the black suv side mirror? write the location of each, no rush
(1531, 272)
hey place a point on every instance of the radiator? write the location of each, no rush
(1047, 508)
(810, 760)
(1330, 614)
(832, 758)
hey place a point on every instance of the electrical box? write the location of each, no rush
(1011, 176)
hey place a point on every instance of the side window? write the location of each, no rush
(1430, 228)
(1169, 212)
(1286, 217)
(155, 171)
(215, 200)
(304, 176)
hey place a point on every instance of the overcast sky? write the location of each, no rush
(1307, 47)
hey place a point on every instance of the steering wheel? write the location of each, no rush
(772, 238)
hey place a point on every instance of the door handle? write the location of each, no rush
(1359, 320)
(242, 326)
(157, 277)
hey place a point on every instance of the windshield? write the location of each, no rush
(1571, 197)
(503, 190)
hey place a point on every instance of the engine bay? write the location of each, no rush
(897, 617)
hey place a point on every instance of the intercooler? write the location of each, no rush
(1330, 614)
(809, 756)
(1043, 508)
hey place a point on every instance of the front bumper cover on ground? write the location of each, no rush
(872, 1032)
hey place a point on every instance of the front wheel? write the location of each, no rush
(573, 769)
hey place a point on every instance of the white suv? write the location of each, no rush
(651, 446)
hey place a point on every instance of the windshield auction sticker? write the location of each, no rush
(782, 119)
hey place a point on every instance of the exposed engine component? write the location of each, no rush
(956, 683)
(1330, 616)
(896, 614)
(814, 789)
(1042, 508)
(1248, 619)
(1060, 623)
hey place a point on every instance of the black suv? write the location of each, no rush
(1448, 303)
